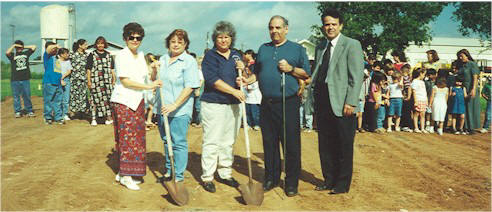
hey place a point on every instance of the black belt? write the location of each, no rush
(272, 100)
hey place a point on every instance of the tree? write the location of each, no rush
(381, 27)
(473, 17)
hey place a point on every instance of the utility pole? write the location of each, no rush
(207, 40)
(13, 32)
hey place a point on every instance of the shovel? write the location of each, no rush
(177, 190)
(252, 192)
(284, 148)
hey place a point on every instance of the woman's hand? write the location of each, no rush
(166, 109)
(63, 82)
(240, 65)
(239, 95)
(241, 81)
(156, 84)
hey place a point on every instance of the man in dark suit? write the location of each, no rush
(337, 79)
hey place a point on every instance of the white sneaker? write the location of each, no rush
(439, 131)
(129, 183)
(31, 115)
(66, 118)
(389, 130)
(94, 122)
(431, 130)
(425, 131)
(118, 177)
(483, 130)
(417, 131)
(397, 129)
(108, 122)
(427, 128)
(256, 128)
(18, 115)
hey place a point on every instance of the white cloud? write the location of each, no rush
(23, 16)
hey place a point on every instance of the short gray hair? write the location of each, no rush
(224, 27)
(286, 22)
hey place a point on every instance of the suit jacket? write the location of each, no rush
(345, 74)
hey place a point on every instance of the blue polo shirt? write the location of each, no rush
(268, 74)
(215, 67)
(52, 69)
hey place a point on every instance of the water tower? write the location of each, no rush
(55, 25)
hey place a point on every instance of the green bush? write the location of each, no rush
(5, 70)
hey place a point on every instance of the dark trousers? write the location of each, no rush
(336, 143)
(271, 130)
(371, 115)
(406, 114)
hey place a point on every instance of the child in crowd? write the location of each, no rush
(381, 111)
(374, 101)
(52, 93)
(407, 107)
(253, 96)
(420, 98)
(430, 81)
(396, 101)
(486, 96)
(66, 70)
(438, 100)
(362, 100)
(149, 95)
(458, 92)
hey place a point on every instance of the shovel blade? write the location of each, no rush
(252, 193)
(178, 192)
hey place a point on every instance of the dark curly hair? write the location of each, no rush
(132, 28)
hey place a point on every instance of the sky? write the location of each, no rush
(161, 18)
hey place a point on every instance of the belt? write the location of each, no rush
(272, 100)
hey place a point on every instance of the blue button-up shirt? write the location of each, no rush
(51, 76)
(268, 74)
(182, 73)
(217, 67)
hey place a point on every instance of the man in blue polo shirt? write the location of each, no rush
(52, 91)
(273, 59)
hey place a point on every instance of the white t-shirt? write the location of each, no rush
(418, 87)
(65, 66)
(135, 69)
(253, 94)
(395, 90)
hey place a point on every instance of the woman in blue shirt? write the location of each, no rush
(179, 74)
(220, 106)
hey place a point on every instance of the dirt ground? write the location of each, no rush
(71, 167)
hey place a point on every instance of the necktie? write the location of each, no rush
(325, 64)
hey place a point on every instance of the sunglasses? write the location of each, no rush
(139, 38)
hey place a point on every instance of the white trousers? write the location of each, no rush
(221, 124)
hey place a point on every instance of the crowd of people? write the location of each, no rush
(341, 91)
(427, 98)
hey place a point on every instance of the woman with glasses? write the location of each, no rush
(128, 107)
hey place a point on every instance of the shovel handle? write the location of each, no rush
(166, 129)
(245, 127)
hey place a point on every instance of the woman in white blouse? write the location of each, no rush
(128, 107)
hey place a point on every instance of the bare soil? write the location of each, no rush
(72, 167)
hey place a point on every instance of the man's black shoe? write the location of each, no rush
(230, 182)
(291, 191)
(209, 186)
(323, 187)
(269, 185)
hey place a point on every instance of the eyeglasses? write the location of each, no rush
(139, 38)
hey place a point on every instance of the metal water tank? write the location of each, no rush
(54, 22)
